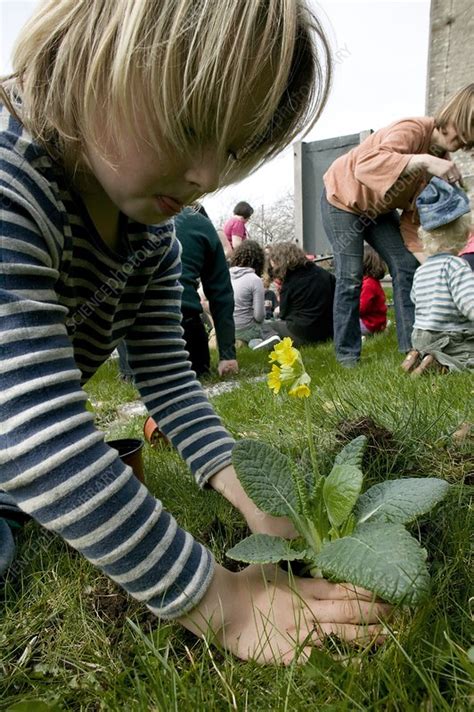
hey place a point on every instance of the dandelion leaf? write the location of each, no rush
(265, 474)
(340, 492)
(383, 558)
(352, 453)
(265, 549)
(400, 501)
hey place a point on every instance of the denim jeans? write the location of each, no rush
(124, 367)
(346, 232)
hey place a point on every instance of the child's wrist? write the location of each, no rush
(227, 484)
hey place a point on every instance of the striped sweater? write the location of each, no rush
(66, 300)
(443, 295)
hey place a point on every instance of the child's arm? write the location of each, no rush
(461, 286)
(54, 462)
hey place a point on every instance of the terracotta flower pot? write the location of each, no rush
(153, 434)
(130, 452)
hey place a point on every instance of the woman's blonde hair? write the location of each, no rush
(459, 111)
(447, 238)
(177, 69)
(284, 257)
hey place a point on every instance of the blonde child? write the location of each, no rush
(443, 287)
(120, 112)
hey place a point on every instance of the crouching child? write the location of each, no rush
(443, 287)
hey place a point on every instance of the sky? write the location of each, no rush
(381, 51)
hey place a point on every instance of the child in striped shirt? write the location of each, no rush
(119, 113)
(443, 287)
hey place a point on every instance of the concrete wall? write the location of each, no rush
(311, 161)
(451, 63)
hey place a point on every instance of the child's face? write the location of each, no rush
(150, 187)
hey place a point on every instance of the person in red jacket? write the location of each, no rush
(372, 306)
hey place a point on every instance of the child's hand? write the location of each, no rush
(226, 367)
(263, 615)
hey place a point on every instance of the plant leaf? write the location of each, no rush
(340, 492)
(265, 474)
(384, 558)
(352, 453)
(400, 501)
(265, 549)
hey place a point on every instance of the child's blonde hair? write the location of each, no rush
(459, 111)
(447, 238)
(178, 69)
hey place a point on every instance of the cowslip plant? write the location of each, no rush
(343, 534)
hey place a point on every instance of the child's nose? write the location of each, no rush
(204, 173)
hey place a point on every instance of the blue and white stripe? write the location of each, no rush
(66, 300)
(443, 295)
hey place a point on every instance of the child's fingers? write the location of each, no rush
(285, 653)
(322, 589)
(350, 611)
(361, 634)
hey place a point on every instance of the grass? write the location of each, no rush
(70, 639)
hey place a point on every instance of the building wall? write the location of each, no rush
(451, 63)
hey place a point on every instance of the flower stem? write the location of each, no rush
(312, 447)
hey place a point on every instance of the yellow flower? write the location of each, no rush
(285, 353)
(274, 379)
(300, 391)
(290, 373)
(300, 388)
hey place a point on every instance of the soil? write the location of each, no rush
(378, 437)
(112, 605)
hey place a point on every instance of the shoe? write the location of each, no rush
(412, 358)
(253, 343)
(429, 364)
(348, 363)
(267, 343)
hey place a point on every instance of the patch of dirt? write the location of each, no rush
(112, 605)
(378, 437)
(108, 603)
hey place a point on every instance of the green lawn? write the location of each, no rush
(71, 639)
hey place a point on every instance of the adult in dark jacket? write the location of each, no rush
(203, 260)
(306, 296)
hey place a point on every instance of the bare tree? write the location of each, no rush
(274, 223)
(269, 223)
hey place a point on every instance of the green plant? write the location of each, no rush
(344, 535)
